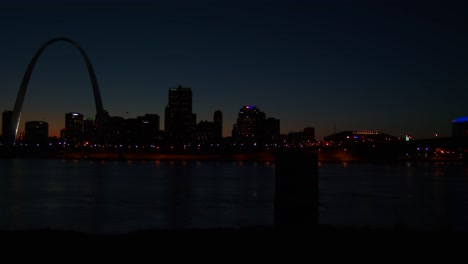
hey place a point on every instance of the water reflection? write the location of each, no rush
(121, 196)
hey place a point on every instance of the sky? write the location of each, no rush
(400, 67)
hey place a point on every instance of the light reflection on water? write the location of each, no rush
(120, 196)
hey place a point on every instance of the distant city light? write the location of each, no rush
(460, 119)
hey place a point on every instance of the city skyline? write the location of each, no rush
(395, 67)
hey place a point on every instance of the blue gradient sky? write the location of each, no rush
(395, 66)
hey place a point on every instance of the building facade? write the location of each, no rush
(249, 122)
(253, 126)
(149, 128)
(36, 132)
(359, 136)
(89, 131)
(73, 128)
(179, 120)
(460, 131)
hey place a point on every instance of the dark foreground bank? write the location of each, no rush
(325, 235)
(245, 245)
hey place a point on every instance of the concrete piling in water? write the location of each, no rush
(296, 190)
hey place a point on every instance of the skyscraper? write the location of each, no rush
(73, 127)
(248, 122)
(179, 123)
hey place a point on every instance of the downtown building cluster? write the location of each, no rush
(252, 129)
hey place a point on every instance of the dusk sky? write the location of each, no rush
(400, 67)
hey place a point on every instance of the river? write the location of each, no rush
(123, 196)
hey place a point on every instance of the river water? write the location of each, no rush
(123, 196)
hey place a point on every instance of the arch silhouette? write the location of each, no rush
(15, 120)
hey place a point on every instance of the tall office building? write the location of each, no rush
(249, 122)
(179, 120)
(36, 132)
(73, 127)
(218, 121)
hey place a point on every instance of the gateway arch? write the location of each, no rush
(15, 119)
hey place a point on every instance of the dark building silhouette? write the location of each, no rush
(73, 127)
(89, 131)
(115, 130)
(101, 129)
(253, 126)
(131, 131)
(6, 123)
(249, 122)
(309, 134)
(149, 128)
(142, 130)
(460, 131)
(63, 134)
(359, 136)
(211, 132)
(367, 145)
(235, 132)
(36, 132)
(218, 121)
(194, 121)
(179, 120)
(269, 129)
(302, 138)
(207, 132)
